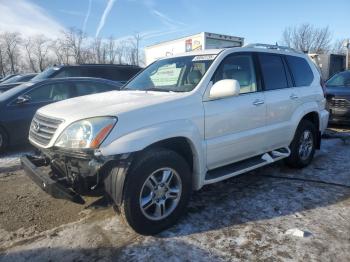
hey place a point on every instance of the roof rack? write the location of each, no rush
(274, 47)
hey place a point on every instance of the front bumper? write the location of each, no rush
(31, 167)
(339, 115)
(69, 175)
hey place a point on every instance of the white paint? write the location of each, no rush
(220, 132)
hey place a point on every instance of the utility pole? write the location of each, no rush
(347, 46)
(137, 39)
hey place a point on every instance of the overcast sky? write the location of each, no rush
(158, 20)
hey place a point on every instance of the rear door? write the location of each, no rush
(233, 125)
(280, 100)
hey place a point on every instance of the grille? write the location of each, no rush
(340, 103)
(43, 128)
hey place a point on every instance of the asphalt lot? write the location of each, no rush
(243, 218)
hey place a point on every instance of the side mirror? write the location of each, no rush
(22, 99)
(224, 88)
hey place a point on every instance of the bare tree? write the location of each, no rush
(11, 43)
(338, 47)
(308, 38)
(111, 50)
(28, 46)
(3, 70)
(74, 40)
(61, 51)
(35, 53)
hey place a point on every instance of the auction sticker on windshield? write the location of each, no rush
(204, 57)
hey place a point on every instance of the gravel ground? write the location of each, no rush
(243, 218)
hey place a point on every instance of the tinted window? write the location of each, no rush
(240, 68)
(51, 92)
(340, 79)
(26, 78)
(301, 71)
(88, 88)
(273, 72)
(69, 72)
(48, 73)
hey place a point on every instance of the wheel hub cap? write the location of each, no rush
(306, 145)
(160, 193)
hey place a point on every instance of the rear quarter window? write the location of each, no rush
(300, 70)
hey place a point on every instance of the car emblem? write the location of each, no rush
(36, 126)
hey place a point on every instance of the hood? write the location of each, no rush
(106, 104)
(338, 90)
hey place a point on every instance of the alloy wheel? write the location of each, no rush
(160, 194)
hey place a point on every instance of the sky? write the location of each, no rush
(160, 20)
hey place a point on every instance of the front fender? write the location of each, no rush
(142, 138)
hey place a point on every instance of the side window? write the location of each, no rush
(88, 88)
(241, 68)
(301, 70)
(50, 92)
(273, 71)
(68, 72)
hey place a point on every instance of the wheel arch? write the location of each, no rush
(314, 118)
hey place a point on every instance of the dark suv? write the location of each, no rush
(338, 98)
(118, 73)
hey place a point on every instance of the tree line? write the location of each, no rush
(310, 39)
(35, 53)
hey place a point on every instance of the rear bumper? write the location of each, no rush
(54, 188)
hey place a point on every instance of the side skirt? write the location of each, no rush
(225, 172)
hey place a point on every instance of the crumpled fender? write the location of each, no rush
(144, 137)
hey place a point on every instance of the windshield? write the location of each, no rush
(341, 79)
(45, 74)
(178, 74)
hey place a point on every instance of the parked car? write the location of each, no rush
(15, 81)
(338, 98)
(120, 73)
(183, 122)
(19, 79)
(7, 77)
(18, 105)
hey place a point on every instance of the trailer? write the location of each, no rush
(200, 41)
(329, 64)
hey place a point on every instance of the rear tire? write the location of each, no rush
(303, 145)
(3, 140)
(156, 191)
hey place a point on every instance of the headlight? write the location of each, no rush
(87, 133)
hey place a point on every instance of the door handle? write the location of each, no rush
(293, 96)
(258, 102)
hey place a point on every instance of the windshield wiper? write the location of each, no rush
(157, 89)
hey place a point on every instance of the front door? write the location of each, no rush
(233, 125)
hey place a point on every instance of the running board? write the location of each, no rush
(222, 173)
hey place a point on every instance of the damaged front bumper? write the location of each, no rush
(69, 175)
(31, 166)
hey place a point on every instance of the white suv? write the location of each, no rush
(183, 122)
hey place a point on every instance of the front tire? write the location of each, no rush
(303, 145)
(156, 191)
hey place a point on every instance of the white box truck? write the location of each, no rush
(199, 41)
